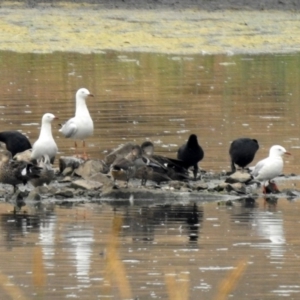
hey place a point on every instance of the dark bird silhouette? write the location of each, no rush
(242, 152)
(191, 153)
(15, 141)
(194, 218)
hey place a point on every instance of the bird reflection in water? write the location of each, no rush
(18, 225)
(145, 222)
(193, 221)
(270, 203)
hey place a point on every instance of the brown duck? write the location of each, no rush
(170, 167)
(124, 168)
(16, 172)
(46, 172)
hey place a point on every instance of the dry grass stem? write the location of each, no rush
(177, 286)
(230, 281)
(115, 269)
(10, 289)
(38, 272)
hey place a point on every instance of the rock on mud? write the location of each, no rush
(239, 176)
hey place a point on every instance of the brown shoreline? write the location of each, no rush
(209, 5)
(163, 28)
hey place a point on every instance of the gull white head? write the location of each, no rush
(48, 118)
(83, 93)
(277, 150)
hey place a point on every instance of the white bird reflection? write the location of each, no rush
(47, 240)
(269, 225)
(81, 240)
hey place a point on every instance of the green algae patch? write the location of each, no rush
(91, 28)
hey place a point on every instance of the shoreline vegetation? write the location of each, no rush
(176, 4)
(205, 27)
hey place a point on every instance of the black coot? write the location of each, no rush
(15, 141)
(191, 153)
(242, 152)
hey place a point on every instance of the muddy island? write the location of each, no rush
(80, 181)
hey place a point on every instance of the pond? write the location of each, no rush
(167, 251)
(181, 250)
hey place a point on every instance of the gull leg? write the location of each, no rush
(270, 188)
(195, 171)
(265, 194)
(264, 189)
(274, 187)
(233, 168)
(75, 145)
(84, 155)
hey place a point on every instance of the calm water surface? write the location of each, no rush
(99, 251)
(59, 252)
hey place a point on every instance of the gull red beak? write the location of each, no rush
(287, 153)
(90, 95)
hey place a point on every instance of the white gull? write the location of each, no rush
(270, 167)
(81, 125)
(45, 145)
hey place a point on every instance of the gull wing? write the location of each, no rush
(69, 128)
(258, 167)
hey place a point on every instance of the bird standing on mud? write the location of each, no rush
(45, 145)
(270, 167)
(15, 141)
(164, 168)
(124, 168)
(46, 172)
(191, 153)
(81, 125)
(242, 152)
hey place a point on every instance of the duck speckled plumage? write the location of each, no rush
(124, 168)
(16, 172)
(171, 168)
(46, 172)
(119, 152)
